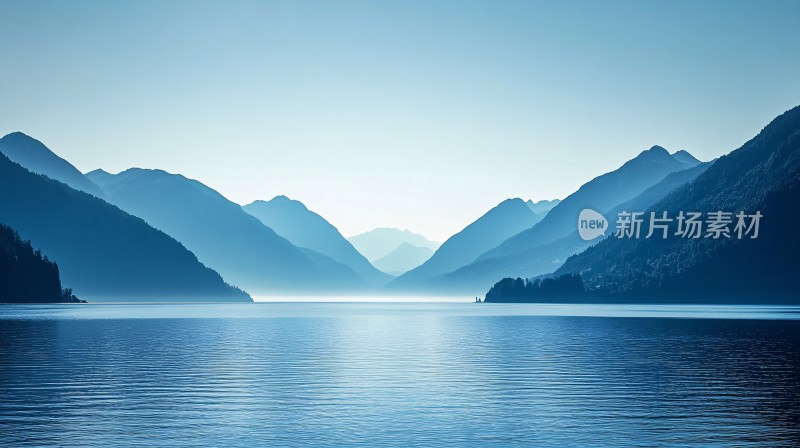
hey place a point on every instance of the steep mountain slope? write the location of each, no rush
(37, 158)
(501, 222)
(403, 259)
(477, 277)
(658, 191)
(222, 235)
(100, 177)
(380, 242)
(304, 228)
(761, 176)
(103, 252)
(685, 157)
(600, 194)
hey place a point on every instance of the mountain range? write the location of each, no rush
(378, 243)
(543, 206)
(544, 245)
(403, 259)
(103, 252)
(222, 235)
(548, 257)
(304, 228)
(501, 222)
(600, 194)
(151, 235)
(37, 158)
(762, 176)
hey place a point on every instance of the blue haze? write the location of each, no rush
(257, 99)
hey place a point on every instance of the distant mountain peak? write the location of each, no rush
(304, 228)
(407, 245)
(223, 235)
(404, 258)
(153, 171)
(511, 201)
(35, 157)
(156, 175)
(493, 227)
(285, 200)
(280, 201)
(542, 206)
(99, 176)
(31, 144)
(18, 134)
(654, 153)
(376, 243)
(601, 193)
(509, 205)
(658, 155)
(685, 157)
(392, 229)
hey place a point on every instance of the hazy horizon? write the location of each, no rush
(417, 115)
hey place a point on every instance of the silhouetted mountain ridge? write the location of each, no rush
(378, 243)
(535, 250)
(762, 175)
(222, 235)
(685, 157)
(403, 259)
(103, 253)
(477, 277)
(501, 222)
(543, 206)
(600, 194)
(292, 220)
(36, 157)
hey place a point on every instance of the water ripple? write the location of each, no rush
(398, 375)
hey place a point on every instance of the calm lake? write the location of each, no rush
(389, 374)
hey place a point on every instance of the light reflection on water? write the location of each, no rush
(423, 374)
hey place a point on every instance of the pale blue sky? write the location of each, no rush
(418, 115)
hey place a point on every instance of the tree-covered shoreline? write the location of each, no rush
(28, 276)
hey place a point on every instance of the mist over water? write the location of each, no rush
(424, 374)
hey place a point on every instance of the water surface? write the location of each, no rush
(388, 374)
